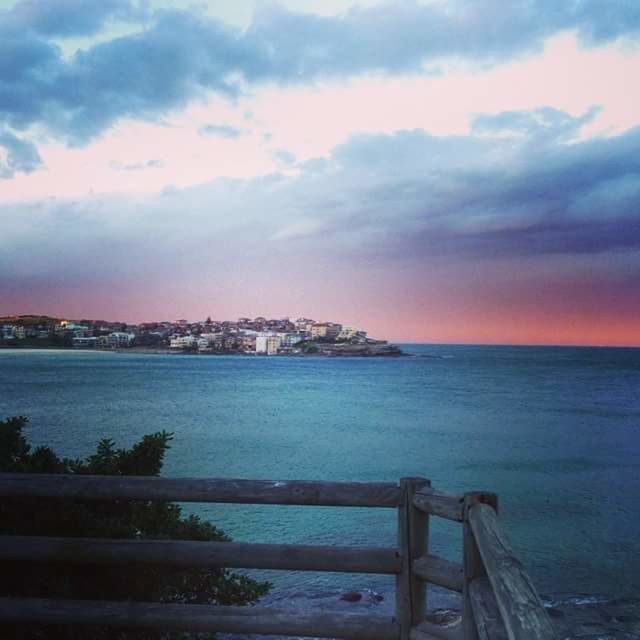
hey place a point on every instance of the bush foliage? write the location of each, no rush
(107, 519)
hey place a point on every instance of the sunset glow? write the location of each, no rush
(412, 168)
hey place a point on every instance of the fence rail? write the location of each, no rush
(499, 599)
(290, 492)
(520, 606)
(187, 553)
(186, 617)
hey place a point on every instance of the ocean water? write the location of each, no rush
(554, 431)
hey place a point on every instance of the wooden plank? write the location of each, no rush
(426, 630)
(473, 566)
(485, 611)
(202, 554)
(292, 492)
(416, 634)
(203, 618)
(403, 579)
(441, 504)
(522, 611)
(439, 571)
(418, 544)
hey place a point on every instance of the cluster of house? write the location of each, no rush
(245, 335)
(88, 335)
(262, 336)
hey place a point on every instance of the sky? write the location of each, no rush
(430, 171)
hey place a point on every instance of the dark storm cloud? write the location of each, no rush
(178, 54)
(379, 199)
(540, 199)
(415, 194)
(142, 75)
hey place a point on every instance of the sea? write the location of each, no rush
(554, 431)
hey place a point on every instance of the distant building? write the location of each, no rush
(8, 332)
(247, 343)
(304, 324)
(325, 330)
(183, 342)
(347, 333)
(70, 328)
(117, 340)
(19, 332)
(268, 344)
(259, 323)
(204, 344)
(290, 339)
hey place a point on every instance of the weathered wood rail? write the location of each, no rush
(499, 599)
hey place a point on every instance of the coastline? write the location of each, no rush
(328, 351)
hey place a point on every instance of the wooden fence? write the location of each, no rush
(499, 600)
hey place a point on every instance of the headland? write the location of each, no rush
(244, 336)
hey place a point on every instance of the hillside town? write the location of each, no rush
(257, 336)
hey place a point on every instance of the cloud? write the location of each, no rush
(222, 130)
(283, 157)
(67, 18)
(137, 166)
(540, 124)
(298, 230)
(406, 197)
(141, 75)
(21, 155)
(485, 228)
(180, 55)
(437, 196)
(403, 37)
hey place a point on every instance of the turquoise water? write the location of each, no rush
(554, 431)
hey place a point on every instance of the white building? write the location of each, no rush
(348, 332)
(78, 330)
(7, 332)
(117, 340)
(268, 344)
(17, 331)
(204, 344)
(183, 342)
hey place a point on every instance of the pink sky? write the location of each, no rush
(462, 199)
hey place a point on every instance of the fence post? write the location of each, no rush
(413, 530)
(471, 560)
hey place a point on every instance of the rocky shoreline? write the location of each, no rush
(592, 618)
(580, 617)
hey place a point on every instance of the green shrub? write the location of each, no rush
(137, 519)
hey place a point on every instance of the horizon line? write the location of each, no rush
(391, 340)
